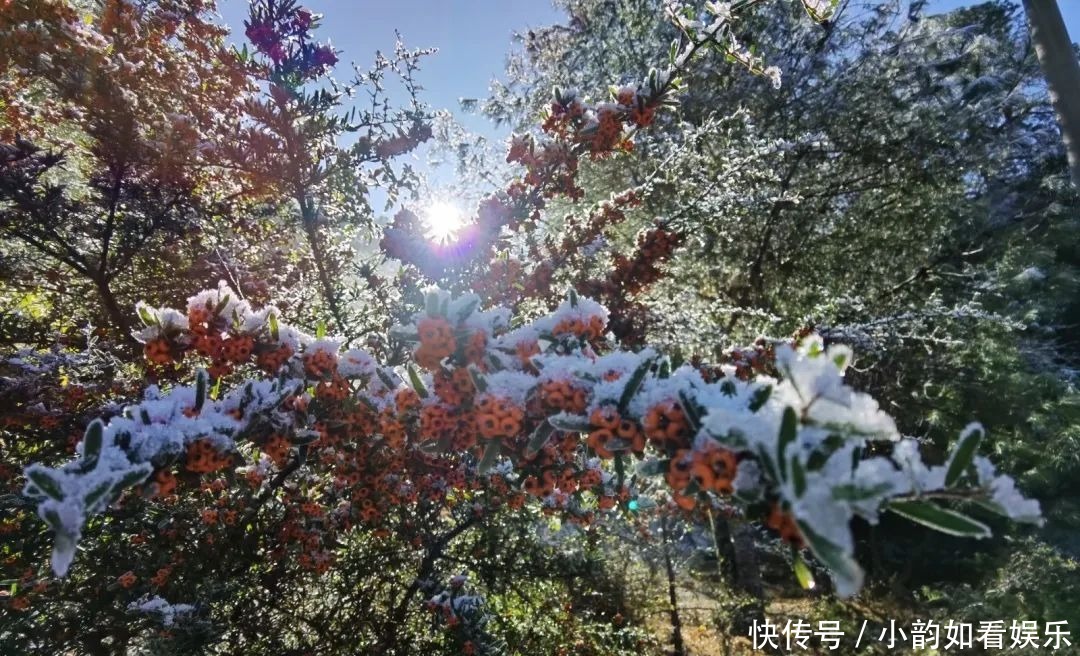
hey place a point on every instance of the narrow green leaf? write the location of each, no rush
(849, 492)
(478, 380)
(634, 384)
(466, 311)
(759, 398)
(964, 453)
(45, 482)
(690, 409)
(320, 330)
(540, 437)
(788, 430)
(274, 329)
(92, 442)
(767, 462)
(134, 477)
(147, 316)
(97, 494)
(940, 519)
(490, 457)
(845, 571)
(202, 382)
(304, 437)
(570, 423)
(620, 470)
(384, 376)
(417, 384)
(798, 475)
(652, 467)
(803, 573)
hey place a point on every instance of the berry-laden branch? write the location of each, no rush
(548, 410)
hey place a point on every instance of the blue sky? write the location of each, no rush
(472, 37)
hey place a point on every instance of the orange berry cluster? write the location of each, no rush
(203, 457)
(784, 524)
(496, 417)
(437, 341)
(609, 426)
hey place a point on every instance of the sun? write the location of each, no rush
(443, 220)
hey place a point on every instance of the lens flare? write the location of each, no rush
(443, 220)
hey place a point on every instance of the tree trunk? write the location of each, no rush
(678, 648)
(117, 316)
(1059, 64)
(747, 568)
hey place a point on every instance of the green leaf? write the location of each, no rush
(134, 477)
(540, 437)
(215, 391)
(52, 518)
(620, 470)
(274, 330)
(788, 430)
(759, 398)
(389, 382)
(850, 492)
(572, 296)
(798, 476)
(570, 423)
(652, 467)
(845, 571)
(202, 381)
(45, 482)
(634, 384)
(964, 453)
(92, 442)
(221, 305)
(767, 462)
(478, 380)
(304, 437)
(464, 312)
(94, 496)
(320, 330)
(417, 384)
(491, 455)
(690, 409)
(803, 573)
(147, 316)
(940, 519)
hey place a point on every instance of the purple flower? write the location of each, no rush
(262, 35)
(325, 56)
(303, 20)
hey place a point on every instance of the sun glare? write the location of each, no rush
(443, 220)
